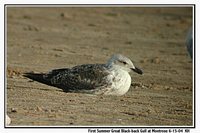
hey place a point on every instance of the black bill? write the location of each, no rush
(137, 70)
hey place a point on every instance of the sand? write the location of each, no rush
(42, 39)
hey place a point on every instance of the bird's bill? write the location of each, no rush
(137, 70)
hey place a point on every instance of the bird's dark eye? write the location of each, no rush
(124, 62)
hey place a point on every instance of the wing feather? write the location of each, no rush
(79, 78)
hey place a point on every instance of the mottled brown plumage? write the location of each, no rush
(111, 78)
(79, 78)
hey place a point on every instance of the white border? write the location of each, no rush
(75, 2)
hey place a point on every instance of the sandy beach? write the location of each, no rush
(42, 39)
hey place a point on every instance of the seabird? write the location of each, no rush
(111, 78)
(8, 120)
(189, 42)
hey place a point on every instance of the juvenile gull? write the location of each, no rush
(111, 78)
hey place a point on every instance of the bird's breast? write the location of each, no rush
(121, 82)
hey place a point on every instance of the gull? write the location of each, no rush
(189, 42)
(111, 78)
(8, 120)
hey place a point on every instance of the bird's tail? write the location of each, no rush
(39, 77)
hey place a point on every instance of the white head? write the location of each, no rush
(122, 62)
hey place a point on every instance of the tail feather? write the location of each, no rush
(43, 78)
(39, 77)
